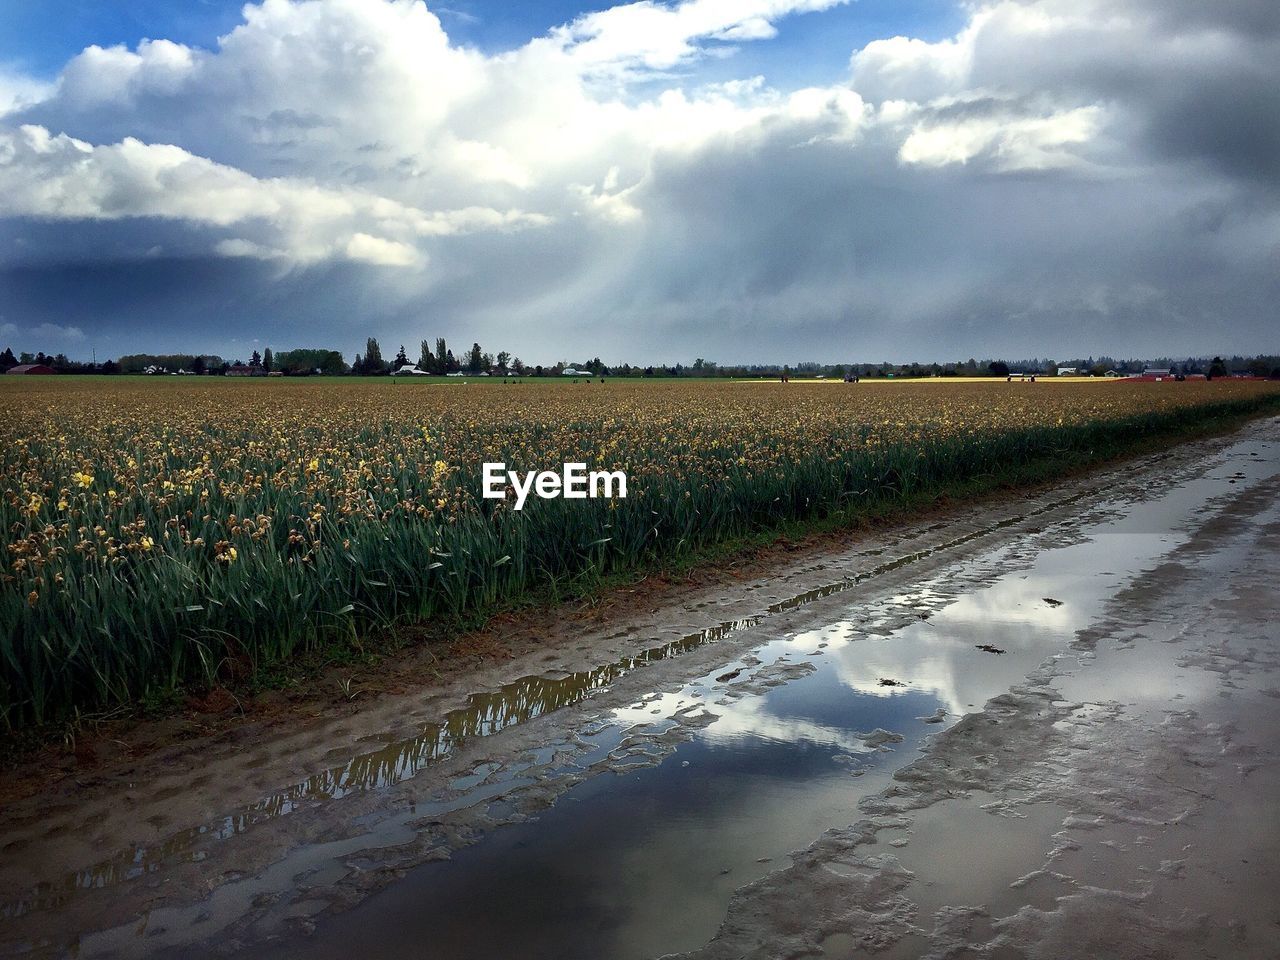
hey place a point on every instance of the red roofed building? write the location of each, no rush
(31, 369)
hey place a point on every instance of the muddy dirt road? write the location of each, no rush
(1045, 729)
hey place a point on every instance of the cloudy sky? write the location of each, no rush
(742, 180)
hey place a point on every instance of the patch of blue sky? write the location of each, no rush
(37, 38)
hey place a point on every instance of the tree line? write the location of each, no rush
(439, 359)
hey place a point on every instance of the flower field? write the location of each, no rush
(169, 533)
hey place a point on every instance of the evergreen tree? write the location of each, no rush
(7, 359)
(267, 360)
(402, 359)
(443, 356)
(373, 362)
(475, 359)
(426, 359)
(256, 359)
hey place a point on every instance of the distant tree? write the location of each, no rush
(504, 360)
(402, 359)
(308, 360)
(374, 365)
(110, 367)
(475, 359)
(198, 365)
(537, 371)
(426, 359)
(451, 364)
(517, 365)
(357, 366)
(26, 357)
(1217, 368)
(7, 360)
(255, 360)
(267, 360)
(442, 356)
(998, 368)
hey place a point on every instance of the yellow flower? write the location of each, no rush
(146, 543)
(84, 479)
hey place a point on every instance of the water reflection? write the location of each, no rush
(484, 714)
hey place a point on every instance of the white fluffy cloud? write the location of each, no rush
(969, 189)
(649, 35)
(60, 178)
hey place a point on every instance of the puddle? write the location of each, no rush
(642, 863)
(694, 792)
(484, 715)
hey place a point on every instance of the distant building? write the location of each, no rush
(409, 370)
(1113, 374)
(456, 373)
(571, 372)
(1156, 374)
(1068, 371)
(244, 370)
(31, 370)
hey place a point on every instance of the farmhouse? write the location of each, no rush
(1156, 374)
(31, 369)
(1068, 371)
(409, 370)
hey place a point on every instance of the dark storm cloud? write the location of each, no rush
(1059, 178)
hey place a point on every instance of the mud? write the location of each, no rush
(643, 791)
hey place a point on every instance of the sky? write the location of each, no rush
(742, 180)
